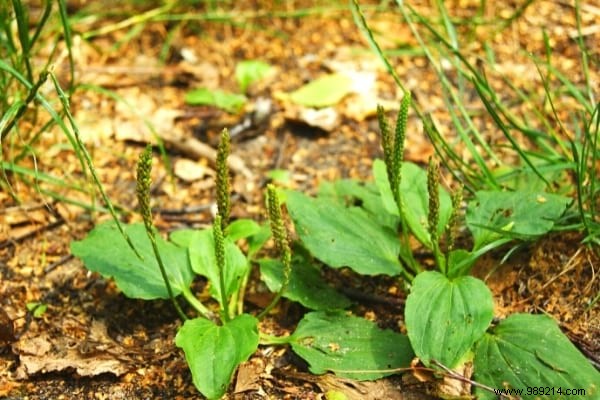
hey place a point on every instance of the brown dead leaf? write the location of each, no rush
(44, 354)
(248, 375)
(7, 333)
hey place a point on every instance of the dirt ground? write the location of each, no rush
(94, 343)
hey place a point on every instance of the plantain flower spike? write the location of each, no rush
(387, 142)
(393, 146)
(278, 227)
(223, 199)
(281, 243)
(433, 179)
(399, 139)
(457, 197)
(143, 182)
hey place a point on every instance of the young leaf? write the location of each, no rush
(325, 91)
(241, 229)
(204, 262)
(341, 236)
(104, 250)
(524, 215)
(445, 317)
(306, 284)
(230, 102)
(415, 199)
(214, 352)
(250, 71)
(459, 263)
(349, 346)
(529, 351)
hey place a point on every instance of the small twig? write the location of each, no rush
(14, 241)
(58, 262)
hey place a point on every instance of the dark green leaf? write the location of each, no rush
(525, 215)
(214, 352)
(306, 285)
(105, 250)
(529, 351)
(445, 317)
(459, 263)
(366, 195)
(341, 236)
(349, 346)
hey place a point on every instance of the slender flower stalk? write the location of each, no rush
(393, 156)
(219, 239)
(144, 168)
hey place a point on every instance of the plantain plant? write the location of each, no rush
(448, 314)
(223, 334)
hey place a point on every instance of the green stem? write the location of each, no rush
(197, 304)
(220, 258)
(265, 339)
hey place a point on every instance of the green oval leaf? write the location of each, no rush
(214, 352)
(341, 236)
(445, 317)
(349, 346)
(523, 215)
(105, 251)
(324, 91)
(529, 351)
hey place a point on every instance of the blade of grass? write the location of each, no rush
(66, 30)
(41, 23)
(22, 18)
(505, 130)
(88, 159)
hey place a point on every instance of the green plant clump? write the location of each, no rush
(215, 342)
(448, 313)
(367, 227)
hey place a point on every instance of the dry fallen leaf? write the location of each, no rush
(44, 354)
(7, 333)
